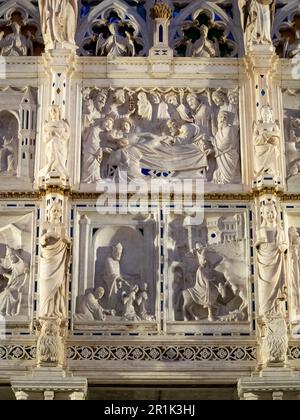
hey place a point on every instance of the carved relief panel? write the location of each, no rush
(17, 135)
(207, 270)
(17, 258)
(291, 99)
(155, 133)
(118, 271)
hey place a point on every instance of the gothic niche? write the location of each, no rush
(208, 269)
(17, 133)
(123, 282)
(113, 36)
(292, 137)
(294, 265)
(15, 260)
(205, 37)
(288, 44)
(156, 133)
(19, 35)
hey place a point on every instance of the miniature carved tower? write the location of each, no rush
(161, 13)
(27, 134)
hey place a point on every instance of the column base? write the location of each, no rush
(49, 383)
(271, 383)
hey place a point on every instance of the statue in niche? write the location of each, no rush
(267, 140)
(226, 146)
(50, 348)
(89, 307)
(56, 138)
(16, 272)
(16, 44)
(293, 50)
(7, 155)
(54, 265)
(58, 22)
(294, 265)
(115, 45)
(259, 17)
(114, 280)
(206, 290)
(271, 249)
(203, 47)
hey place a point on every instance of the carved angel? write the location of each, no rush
(115, 45)
(258, 20)
(204, 47)
(16, 44)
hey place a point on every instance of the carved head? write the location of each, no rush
(50, 328)
(223, 118)
(126, 125)
(269, 214)
(117, 251)
(204, 30)
(55, 213)
(54, 113)
(142, 97)
(171, 99)
(267, 114)
(233, 97)
(99, 293)
(219, 97)
(192, 101)
(119, 97)
(108, 124)
(155, 97)
(101, 99)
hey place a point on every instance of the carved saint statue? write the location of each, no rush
(58, 22)
(15, 271)
(89, 307)
(204, 47)
(267, 140)
(115, 45)
(56, 138)
(259, 16)
(53, 266)
(226, 145)
(16, 44)
(271, 247)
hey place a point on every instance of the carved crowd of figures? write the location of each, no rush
(134, 133)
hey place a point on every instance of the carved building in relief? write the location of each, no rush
(149, 199)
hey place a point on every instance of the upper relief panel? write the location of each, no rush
(156, 133)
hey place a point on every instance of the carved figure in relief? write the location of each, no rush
(16, 272)
(144, 107)
(259, 16)
(128, 299)
(293, 50)
(56, 138)
(50, 348)
(294, 260)
(58, 22)
(267, 140)
(53, 265)
(7, 155)
(204, 47)
(89, 307)
(204, 293)
(115, 281)
(140, 304)
(271, 247)
(226, 148)
(16, 44)
(115, 45)
(200, 114)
